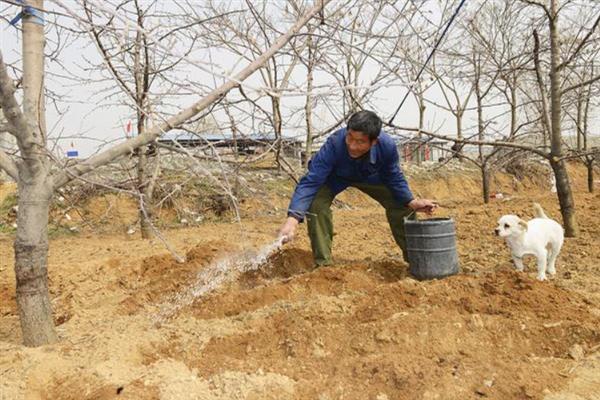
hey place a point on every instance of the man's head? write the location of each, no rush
(363, 129)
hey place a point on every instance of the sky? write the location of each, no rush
(82, 116)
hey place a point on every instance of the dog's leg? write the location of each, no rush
(552, 256)
(518, 262)
(542, 262)
(551, 260)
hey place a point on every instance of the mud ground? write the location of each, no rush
(360, 329)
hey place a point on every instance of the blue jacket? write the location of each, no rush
(333, 166)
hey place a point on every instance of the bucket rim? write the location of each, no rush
(435, 220)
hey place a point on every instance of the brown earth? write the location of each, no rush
(360, 329)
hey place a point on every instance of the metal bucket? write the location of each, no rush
(431, 247)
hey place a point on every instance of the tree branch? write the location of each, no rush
(13, 113)
(8, 128)
(581, 154)
(62, 177)
(585, 83)
(8, 165)
(542, 6)
(197, 22)
(96, 36)
(581, 44)
(476, 142)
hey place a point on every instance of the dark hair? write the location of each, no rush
(366, 122)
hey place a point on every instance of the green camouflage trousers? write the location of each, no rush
(320, 220)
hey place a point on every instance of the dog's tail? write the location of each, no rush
(539, 211)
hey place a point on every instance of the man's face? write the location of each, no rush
(358, 143)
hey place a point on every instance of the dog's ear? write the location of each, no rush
(523, 224)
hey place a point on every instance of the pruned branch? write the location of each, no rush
(476, 142)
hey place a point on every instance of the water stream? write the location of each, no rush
(221, 271)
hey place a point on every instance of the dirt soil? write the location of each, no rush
(362, 328)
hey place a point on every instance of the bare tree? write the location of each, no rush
(37, 182)
(496, 55)
(551, 114)
(412, 58)
(552, 117)
(247, 38)
(145, 76)
(583, 134)
(578, 102)
(456, 91)
(582, 103)
(362, 42)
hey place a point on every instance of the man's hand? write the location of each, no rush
(423, 205)
(288, 229)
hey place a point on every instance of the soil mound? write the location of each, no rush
(353, 324)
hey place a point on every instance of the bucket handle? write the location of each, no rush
(413, 212)
(410, 214)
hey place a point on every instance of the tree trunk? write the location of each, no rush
(513, 106)
(148, 231)
(481, 129)
(34, 106)
(146, 223)
(589, 160)
(141, 72)
(546, 124)
(236, 151)
(277, 122)
(309, 103)
(421, 123)
(459, 133)
(590, 174)
(485, 183)
(31, 241)
(563, 186)
(145, 212)
(308, 113)
(565, 198)
(579, 119)
(31, 262)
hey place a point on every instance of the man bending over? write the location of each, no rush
(362, 156)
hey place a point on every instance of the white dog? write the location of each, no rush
(541, 237)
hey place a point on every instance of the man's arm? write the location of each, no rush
(318, 170)
(394, 179)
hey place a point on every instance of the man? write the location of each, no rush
(361, 156)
